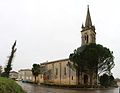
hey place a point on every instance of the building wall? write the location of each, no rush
(13, 75)
(40, 78)
(59, 73)
(25, 75)
(91, 36)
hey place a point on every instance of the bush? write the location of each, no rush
(107, 81)
(9, 86)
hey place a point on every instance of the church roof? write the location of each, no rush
(88, 21)
(55, 61)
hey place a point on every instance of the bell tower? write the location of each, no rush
(88, 30)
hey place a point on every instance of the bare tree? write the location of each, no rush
(8, 67)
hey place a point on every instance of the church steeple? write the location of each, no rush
(88, 22)
(88, 31)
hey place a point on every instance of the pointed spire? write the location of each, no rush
(88, 21)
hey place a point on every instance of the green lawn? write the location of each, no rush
(9, 86)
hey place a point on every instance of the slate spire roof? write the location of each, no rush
(88, 21)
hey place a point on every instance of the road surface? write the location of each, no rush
(31, 88)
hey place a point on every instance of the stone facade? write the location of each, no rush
(88, 31)
(58, 72)
(25, 75)
(88, 36)
(13, 75)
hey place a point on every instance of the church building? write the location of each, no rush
(59, 73)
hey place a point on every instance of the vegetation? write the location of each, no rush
(36, 70)
(106, 80)
(8, 67)
(9, 86)
(94, 57)
(0, 70)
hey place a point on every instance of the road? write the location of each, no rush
(31, 88)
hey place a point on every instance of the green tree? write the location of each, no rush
(8, 67)
(92, 57)
(36, 70)
(106, 80)
(78, 62)
(0, 70)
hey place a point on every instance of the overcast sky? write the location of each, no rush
(48, 30)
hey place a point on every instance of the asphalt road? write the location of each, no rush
(31, 88)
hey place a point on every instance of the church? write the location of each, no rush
(59, 73)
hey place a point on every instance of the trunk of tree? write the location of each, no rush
(8, 66)
(35, 79)
(78, 76)
(97, 76)
(91, 75)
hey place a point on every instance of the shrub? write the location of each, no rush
(9, 86)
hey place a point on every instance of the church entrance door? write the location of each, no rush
(85, 79)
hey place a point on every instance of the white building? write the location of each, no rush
(13, 75)
(25, 75)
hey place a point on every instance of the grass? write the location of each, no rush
(9, 86)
